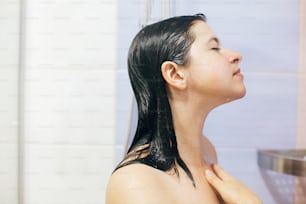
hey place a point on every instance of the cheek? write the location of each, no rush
(222, 70)
(204, 80)
(205, 72)
(210, 71)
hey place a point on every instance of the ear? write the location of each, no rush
(174, 75)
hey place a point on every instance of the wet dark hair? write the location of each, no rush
(154, 143)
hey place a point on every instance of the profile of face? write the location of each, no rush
(212, 71)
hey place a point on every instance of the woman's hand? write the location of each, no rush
(229, 188)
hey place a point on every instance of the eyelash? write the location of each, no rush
(216, 48)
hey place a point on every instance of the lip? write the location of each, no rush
(237, 73)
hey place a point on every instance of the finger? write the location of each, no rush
(221, 173)
(213, 179)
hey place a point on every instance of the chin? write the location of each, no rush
(239, 93)
(236, 96)
(242, 94)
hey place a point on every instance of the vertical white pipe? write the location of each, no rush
(21, 84)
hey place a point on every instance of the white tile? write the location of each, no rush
(8, 74)
(8, 173)
(70, 52)
(9, 67)
(67, 173)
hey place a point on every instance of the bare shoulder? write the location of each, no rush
(135, 183)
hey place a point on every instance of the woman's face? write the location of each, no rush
(213, 70)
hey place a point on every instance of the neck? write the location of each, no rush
(188, 121)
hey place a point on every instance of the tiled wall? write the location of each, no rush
(69, 61)
(9, 56)
(267, 35)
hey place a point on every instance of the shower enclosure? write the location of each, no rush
(67, 124)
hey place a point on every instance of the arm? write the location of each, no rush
(229, 188)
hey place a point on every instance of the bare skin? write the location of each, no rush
(138, 183)
(211, 78)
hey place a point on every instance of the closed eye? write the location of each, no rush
(216, 48)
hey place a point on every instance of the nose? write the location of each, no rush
(234, 57)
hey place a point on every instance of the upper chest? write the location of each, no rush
(182, 191)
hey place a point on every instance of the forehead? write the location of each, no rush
(202, 31)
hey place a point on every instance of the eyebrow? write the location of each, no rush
(214, 39)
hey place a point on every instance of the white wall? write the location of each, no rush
(60, 85)
(9, 57)
(69, 61)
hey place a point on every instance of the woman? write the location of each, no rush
(179, 72)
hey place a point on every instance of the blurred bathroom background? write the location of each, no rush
(66, 105)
